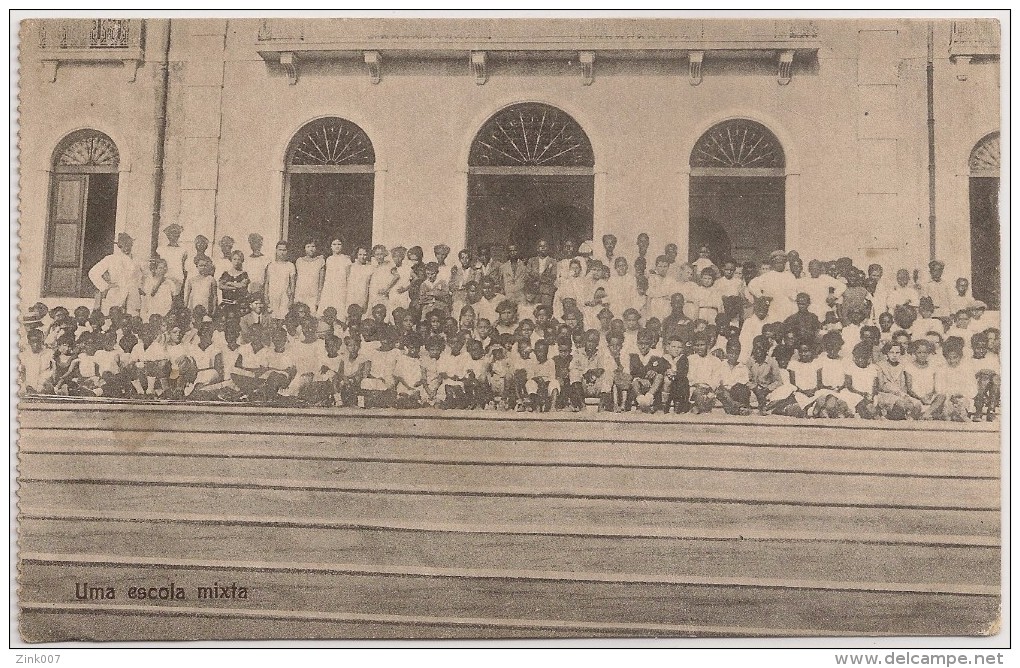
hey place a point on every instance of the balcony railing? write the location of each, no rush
(525, 35)
(91, 40)
(975, 37)
(90, 34)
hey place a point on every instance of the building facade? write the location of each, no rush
(877, 140)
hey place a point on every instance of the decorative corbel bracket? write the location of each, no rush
(785, 67)
(289, 62)
(50, 69)
(478, 67)
(587, 59)
(695, 58)
(962, 65)
(374, 63)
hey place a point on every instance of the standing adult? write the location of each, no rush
(358, 280)
(176, 256)
(118, 278)
(779, 285)
(543, 267)
(281, 275)
(310, 269)
(382, 279)
(255, 264)
(334, 283)
(514, 275)
(223, 262)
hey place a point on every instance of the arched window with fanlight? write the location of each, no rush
(984, 220)
(531, 176)
(329, 185)
(737, 191)
(83, 211)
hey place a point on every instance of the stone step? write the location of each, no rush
(606, 599)
(493, 548)
(515, 480)
(528, 513)
(819, 458)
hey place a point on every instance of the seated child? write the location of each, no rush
(541, 386)
(378, 387)
(676, 388)
(281, 368)
(734, 386)
(562, 360)
(621, 378)
(921, 380)
(647, 371)
(861, 383)
(478, 393)
(704, 373)
(37, 365)
(353, 371)
(500, 372)
(986, 366)
(432, 381)
(452, 371)
(893, 400)
(805, 377)
(207, 369)
(588, 376)
(407, 373)
(763, 372)
(957, 380)
(833, 378)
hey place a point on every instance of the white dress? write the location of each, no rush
(357, 285)
(401, 299)
(307, 289)
(334, 287)
(277, 287)
(382, 276)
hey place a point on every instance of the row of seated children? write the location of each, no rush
(527, 365)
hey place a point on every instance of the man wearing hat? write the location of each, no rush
(777, 284)
(118, 278)
(176, 256)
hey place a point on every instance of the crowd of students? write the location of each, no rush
(622, 331)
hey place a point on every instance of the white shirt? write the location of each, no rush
(704, 370)
(120, 275)
(819, 290)
(176, 259)
(782, 287)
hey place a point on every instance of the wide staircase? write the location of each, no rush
(382, 524)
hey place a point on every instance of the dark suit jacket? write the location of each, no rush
(547, 278)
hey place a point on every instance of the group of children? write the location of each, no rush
(538, 334)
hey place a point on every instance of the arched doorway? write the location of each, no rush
(737, 192)
(83, 211)
(531, 176)
(330, 185)
(984, 220)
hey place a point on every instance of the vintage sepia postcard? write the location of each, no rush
(506, 327)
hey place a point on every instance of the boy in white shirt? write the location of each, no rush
(734, 391)
(704, 374)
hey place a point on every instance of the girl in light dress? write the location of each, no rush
(334, 284)
(400, 293)
(572, 286)
(382, 280)
(358, 280)
(310, 269)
